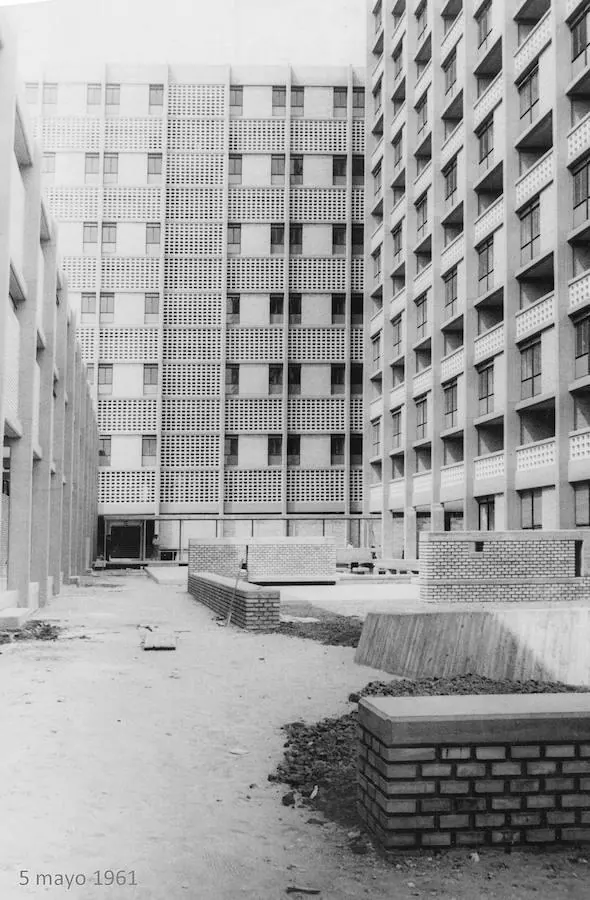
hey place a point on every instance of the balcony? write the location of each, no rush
(452, 253)
(397, 396)
(453, 143)
(375, 498)
(579, 454)
(422, 488)
(376, 238)
(397, 493)
(423, 180)
(488, 467)
(377, 154)
(488, 344)
(535, 317)
(578, 140)
(376, 409)
(423, 82)
(422, 382)
(452, 365)
(376, 324)
(579, 292)
(491, 98)
(423, 280)
(397, 304)
(534, 44)
(452, 479)
(533, 462)
(452, 36)
(489, 220)
(533, 181)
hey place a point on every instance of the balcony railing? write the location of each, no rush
(489, 343)
(489, 466)
(535, 316)
(533, 456)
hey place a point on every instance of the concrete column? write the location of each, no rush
(68, 465)
(7, 93)
(59, 418)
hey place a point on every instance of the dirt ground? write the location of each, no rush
(113, 758)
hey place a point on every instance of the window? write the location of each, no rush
(275, 379)
(233, 309)
(279, 101)
(396, 429)
(154, 168)
(294, 378)
(275, 450)
(91, 167)
(376, 352)
(338, 309)
(232, 379)
(104, 451)
(48, 163)
(375, 439)
(337, 373)
(378, 99)
(450, 280)
(422, 113)
(579, 30)
(356, 450)
(340, 102)
(485, 136)
(151, 308)
(450, 177)
(294, 309)
(338, 240)
(356, 309)
(89, 236)
(530, 509)
(396, 330)
(297, 101)
(530, 232)
(484, 26)
(337, 450)
(398, 61)
(230, 450)
(105, 379)
(422, 215)
(397, 242)
(582, 333)
(276, 309)
(93, 94)
(485, 265)
(378, 180)
(582, 504)
(530, 371)
(235, 168)
(107, 307)
(358, 240)
(421, 21)
(148, 450)
(358, 170)
(236, 101)
(293, 449)
(296, 170)
(581, 192)
(88, 304)
(50, 94)
(296, 240)
(485, 380)
(156, 98)
(234, 239)
(450, 70)
(339, 170)
(113, 94)
(397, 150)
(450, 404)
(277, 239)
(528, 92)
(421, 315)
(277, 169)
(358, 102)
(152, 238)
(421, 419)
(111, 168)
(377, 265)
(32, 92)
(486, 513)
(109, 237)
(150, 378)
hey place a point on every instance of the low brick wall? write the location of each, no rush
(504, 566)
(221, 556)
(268, 559)
(466, 771)
(255, 608)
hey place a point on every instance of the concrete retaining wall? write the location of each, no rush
(254, 608)
(465, 771)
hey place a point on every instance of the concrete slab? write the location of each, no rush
(168, 574)
(14, 617)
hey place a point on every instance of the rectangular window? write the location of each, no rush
(450, 404)
(396, 429)
(296, 170)
(485, 137)
(582, 504)
(48, 163)
(337, 450)
(375, 439)
(421, 419)
(356, 309)
(358, 102)
(105, 379)
(339, 170)
(93, 94)
(450, 280)
(277, 240)
(377, 265)
(422, 113)
(232, 379)
(337, 375)
(397, 243)
(91, 166)
(356, 379)
(233, 309)
(88, 304)
(358, 170)
(230, 450)
(530, 371)
(107, 308)
(111, 168)
(579, 30)
(89, 236)
(422, 216)
(294, 309)
(50, 94)
(234, 239)
(236, 101)
(485, 380)
(154, 168)
(396, 331)
(378, 99)
(421, 315)
(104, 451)
(275, 379)
(297, 101)
(235, 168)
(485, 265)
(528, 92)
(294, 378)
(398, 62)
(486, 513)
(340, 102)
(484, 26)
(279, 101)
(450, 177)
(296, 240)
(531, 509)
(151, 308)
(582, 333)
(530, 232)
(150, 379)
(450, 70)
(338, 240)
(358, 240)
(376, 352)
(277, 169)
(156, 98)
(276, 309)
(378, 180)
(148, 450)
(113, 94)
(275, 450)
(581, 192)
(293, 450)
(397, 150)
(421, 20)
(109, 237)
(152, 238)
(338, 309)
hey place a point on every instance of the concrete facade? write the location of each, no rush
(50, 439)
(478, 278)
(212, 220)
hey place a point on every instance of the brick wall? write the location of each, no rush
(254, 608)
(285, 559)
(503, 566)
(221, 556)
(465, 771)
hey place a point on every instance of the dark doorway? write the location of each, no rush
(125, 541)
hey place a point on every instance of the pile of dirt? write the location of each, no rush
(334, 631)
(323, 754)
(32, 631)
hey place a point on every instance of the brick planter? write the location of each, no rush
(466, 771)
(254, 608)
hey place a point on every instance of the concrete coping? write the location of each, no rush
(454, 537)
(240, 542)
(481, 718)
(244, 587)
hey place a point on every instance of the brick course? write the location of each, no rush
(254, 608)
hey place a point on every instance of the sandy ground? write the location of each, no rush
(113, 758)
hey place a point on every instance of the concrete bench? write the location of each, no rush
(397, 565)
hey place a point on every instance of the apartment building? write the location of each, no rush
(212, 225)
(478, 287)
(50, 438)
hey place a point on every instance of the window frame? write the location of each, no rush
(531, 370)
(530, 231)
(485, 389)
